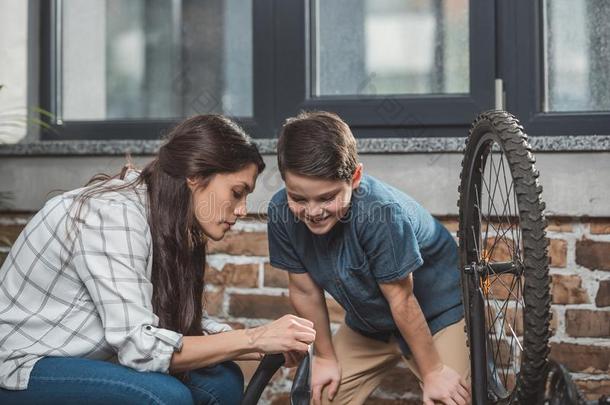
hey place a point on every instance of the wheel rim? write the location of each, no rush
(498, 251)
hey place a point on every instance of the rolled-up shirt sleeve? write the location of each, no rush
(281, 252)
(111, 254)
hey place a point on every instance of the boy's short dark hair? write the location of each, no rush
(317, 144)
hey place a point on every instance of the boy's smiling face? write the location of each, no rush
(320, 203)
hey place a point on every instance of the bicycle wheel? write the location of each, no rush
(503, 255)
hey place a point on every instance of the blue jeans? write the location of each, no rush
(70, 380)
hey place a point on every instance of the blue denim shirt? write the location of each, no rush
(384, 236)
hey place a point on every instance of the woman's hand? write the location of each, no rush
(289, 333)
(445, 385)
(325, 372)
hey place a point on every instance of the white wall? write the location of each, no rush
(575, 184)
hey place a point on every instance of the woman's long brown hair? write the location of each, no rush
(199, 147)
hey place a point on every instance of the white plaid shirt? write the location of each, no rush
(83, 294)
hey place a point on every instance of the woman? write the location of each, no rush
(101, 293)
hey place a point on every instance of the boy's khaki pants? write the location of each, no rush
(365, 361)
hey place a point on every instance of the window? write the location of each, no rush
(390, 47)
(154, 59)
(328, 61)
(556, 54)
(131, 69)
(576, 56)
(390, 68)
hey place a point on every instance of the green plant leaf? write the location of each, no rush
(41, 123)
(44, 112)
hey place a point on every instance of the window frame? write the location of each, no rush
(522, 39)
(281, 81)
(142, 129)
(384, 116)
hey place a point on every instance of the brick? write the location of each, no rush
(213, 302)
(9, 234)
(501, 250)
(582, 358)
(558, 252)
(275, 277)
(212, 275)
(600, 227)
(281, 398)
(335, 311)
(241, 243)
(517, 324)
(511, 380)
(603, 294)
(559, 225)
(499, 228)
(259, 306)
(504, 286)
(568, 290)
(586, 323)
(502, 353)
(593, 389)
(593, 255)
(511, 322)
(236, 275)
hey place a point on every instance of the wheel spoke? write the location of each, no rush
(488, 220)
(495, 234)
(478, 208)
(491, 205)
(507, 199)
(502, 221)
(508, 289)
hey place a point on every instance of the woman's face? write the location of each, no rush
(222, 201)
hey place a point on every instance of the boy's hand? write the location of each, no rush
(445, 385)
(325, 372)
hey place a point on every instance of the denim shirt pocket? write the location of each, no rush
(362, 295)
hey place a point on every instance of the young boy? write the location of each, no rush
(383, 257)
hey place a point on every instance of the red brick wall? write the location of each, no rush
(245, 290)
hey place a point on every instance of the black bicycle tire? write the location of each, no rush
(263, 374)
(509, 135)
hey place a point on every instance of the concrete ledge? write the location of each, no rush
(584, 143)
(575, 184)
